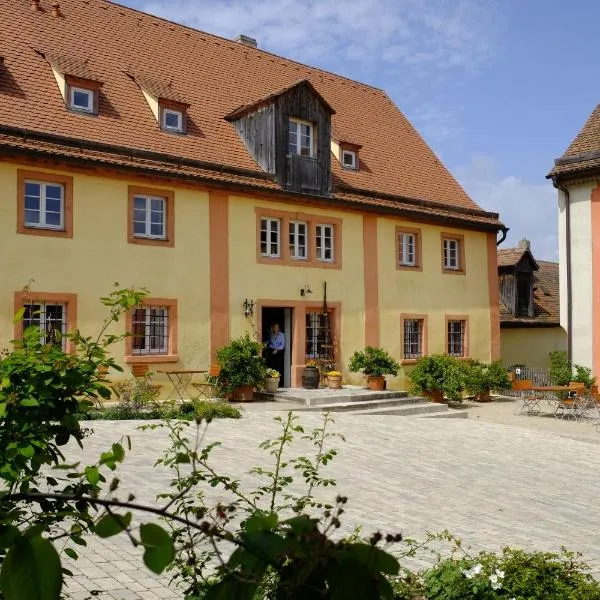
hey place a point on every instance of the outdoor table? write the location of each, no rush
(532, 403)
(180, 381)
(557, 403)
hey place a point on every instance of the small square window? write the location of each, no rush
(172, 120)
(349, 159)
(82, 99)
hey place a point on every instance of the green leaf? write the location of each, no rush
(5, 383)
(71, 553)
(182, 457)
(19, 315)
(110, 525)
(375, 559)
(160, 551)
(260, 522)
(31, 569)
(27, 451)
(92, 475)
(29, 402)
(9, 534)
(118, 452)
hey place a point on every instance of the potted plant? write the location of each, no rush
(139, 369)
(311, 376)
(334, 380)
(272, 381)
(375, 363)
(481, 378)
(437, 376)
(242, 369)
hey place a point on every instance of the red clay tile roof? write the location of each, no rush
(509, 257)
(70, 65)
(546, 297)
(215, 76)
(584, 152)
(160, 90)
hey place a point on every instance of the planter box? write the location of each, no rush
(435, 396)
(376, 384)
(244, 393)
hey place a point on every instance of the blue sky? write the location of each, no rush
(498, 88)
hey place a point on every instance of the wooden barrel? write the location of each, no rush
(311, 378)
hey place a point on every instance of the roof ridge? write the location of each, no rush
(237, 45)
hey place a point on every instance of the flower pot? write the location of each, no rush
(434, 395)
(139, 369)
(271, 385)
(376, 384)
(484, 396)
(334, 383)
(244, 393)
(102, 371)
(310, 378)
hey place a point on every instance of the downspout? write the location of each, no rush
(504, 231)
(565, 191)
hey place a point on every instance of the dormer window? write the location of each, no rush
(172, 120)
(349, 159)
(301, 138)
(81, 99)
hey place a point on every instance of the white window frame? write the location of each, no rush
(294, 232)
(351, 153)
(164, 339)
(407, 246)
(42, 224)
(321, 235)
(311, 138)
(178, 114)
(452, 254)
(148, 221)
(41, 315)
(407, 344)
(89, 108)
(269, 228)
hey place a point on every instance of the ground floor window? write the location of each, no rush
(413, 338)
(150, 330)
(319, 336)
(50, 318)
(457, 337)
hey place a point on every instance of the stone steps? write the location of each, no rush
(320, 397)
(419, 408)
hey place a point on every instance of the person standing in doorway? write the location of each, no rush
(275, 349)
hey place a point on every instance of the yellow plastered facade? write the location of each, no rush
(99, 254)
(530, 346)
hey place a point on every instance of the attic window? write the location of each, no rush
(349, 159)
(172, 120)
(82, 99)
(301, 138)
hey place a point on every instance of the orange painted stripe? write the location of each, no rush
(371, 280)
(218, 212)
(595, 282)
(494, 294)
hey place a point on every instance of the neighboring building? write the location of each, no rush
(237, 186)
(576, 175)
(529, 308)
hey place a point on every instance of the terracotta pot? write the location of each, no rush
(484, 396)
(434, 395)
(310, 378)
(334, 383)
(103, 371)
(139, 369)
(376, 384)
(271, 385)
(244, 393)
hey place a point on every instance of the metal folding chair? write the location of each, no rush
(530, 402)
(206, 388)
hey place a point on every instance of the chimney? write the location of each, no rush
(35, 5)
(56, 9)
(246, 41)
(525, 244)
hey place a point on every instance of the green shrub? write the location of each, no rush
(439, 372)
(215, 410)
(481, 377)
(241, 364)
(373, 362)
(561, 369)
(584, 375)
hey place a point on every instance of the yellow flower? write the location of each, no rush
(334, 374)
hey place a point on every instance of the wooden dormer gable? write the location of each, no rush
(271, 128)
(516, 279)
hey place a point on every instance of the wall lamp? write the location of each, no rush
(248, 307)
(305, 291)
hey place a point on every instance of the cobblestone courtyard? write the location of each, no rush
(491, 484)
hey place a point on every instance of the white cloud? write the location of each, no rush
(529, 209)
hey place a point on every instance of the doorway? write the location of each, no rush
(283, 363)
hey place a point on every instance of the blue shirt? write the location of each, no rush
(277, 341)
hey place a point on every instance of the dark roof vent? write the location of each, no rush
(246, 40)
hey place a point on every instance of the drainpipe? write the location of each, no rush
(565, 191)
(504, 231)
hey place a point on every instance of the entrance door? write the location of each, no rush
(282, 361)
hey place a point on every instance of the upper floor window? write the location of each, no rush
(408, 248)
(44, 205)
(324, 242)
(297, 239)
(82, 99)
(301, 136)
(151, 217)
(269, 237)
(172, 120)
(349, 159)
(453, 253)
